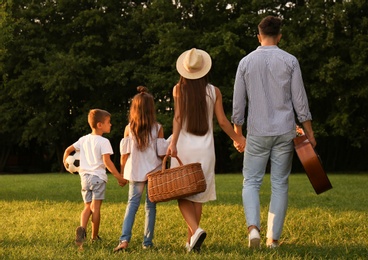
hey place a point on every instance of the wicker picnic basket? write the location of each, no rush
(175, 183)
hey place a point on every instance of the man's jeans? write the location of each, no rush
(259, 149)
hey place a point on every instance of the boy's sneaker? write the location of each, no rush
(80, 236)
(254, 239)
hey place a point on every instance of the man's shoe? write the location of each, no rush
(254, 239)
(272, 244)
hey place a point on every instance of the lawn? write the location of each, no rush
(39, 214)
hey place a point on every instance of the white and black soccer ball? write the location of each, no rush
(72, 163)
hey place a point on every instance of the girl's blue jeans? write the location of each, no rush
(279, 151)
(134, 199)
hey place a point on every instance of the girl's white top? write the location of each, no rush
(140, 163)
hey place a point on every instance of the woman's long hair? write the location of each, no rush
(142, 117)
(193, 105)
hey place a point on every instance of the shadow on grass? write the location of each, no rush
(289, 251)
(62, 247)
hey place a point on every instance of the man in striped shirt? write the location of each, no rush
(269, 83)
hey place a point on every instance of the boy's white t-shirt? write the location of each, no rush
(91, 148)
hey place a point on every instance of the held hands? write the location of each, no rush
(240, 144)
(122, 182)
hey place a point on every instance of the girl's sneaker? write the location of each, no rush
(146, 247)
(123, 244)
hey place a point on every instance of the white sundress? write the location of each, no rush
(192, 148)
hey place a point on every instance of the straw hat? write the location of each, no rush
(194, 64)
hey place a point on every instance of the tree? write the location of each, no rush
(330, 40)
(60, 58)
(59, 64)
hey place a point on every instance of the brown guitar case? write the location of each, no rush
(312, 164)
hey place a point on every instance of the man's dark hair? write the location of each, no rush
(270, 26)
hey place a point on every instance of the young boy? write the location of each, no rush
(95, 153)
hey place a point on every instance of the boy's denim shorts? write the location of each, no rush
(93, 188)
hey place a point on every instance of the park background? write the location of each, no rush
(60, 58)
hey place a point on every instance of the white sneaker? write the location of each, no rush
(197, 239)
(273, 244)
(254, 239)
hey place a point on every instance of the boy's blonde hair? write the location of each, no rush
(96, 116)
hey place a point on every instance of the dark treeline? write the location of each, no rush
(60, 58)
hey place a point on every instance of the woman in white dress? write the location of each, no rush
(195, 102)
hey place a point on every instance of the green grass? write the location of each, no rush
(39, 214)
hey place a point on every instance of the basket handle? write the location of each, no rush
(164, 161)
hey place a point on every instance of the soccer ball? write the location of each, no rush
(72, 163)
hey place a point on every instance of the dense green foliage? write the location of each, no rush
(60, 58)
(39, 221)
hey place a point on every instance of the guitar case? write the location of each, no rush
(312, 164)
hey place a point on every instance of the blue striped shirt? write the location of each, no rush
(269, 82)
